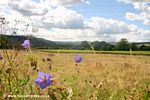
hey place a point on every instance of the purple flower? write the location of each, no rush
(77, 58)
(1, 57)
(43, 80)
(26, 44)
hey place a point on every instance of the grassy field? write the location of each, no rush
(102, 52)
(97, 77)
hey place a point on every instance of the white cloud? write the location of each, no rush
(99, 29)
(57, 34)
(109, 26)
(62, 18)
(67, 2)
(143, 6)
(139, 36)
(28, 7)
(131, 1)
(4, 3)
(55, 21)
(145, 17)
(43, 14)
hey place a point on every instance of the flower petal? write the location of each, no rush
(77, 59)
(43, 85)
(38, 80)
(25, 46)
(27, 42)
(41, 74)
(48, 76)
(48, 82)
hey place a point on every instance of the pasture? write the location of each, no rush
(98, 52)
(97, 77)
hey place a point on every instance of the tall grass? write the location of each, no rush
(98, 77)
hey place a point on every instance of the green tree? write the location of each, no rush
(122, 45)
(133, 46)
(85, 45)
(102, 45)
(144, 47)
(96, 45)
(3, 42)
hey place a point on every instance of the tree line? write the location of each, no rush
(122, 45)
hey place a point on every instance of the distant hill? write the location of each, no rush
(68, 42)
(36, 42)
(142, 43)
(41, 43)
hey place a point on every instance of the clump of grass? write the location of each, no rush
(97, 77)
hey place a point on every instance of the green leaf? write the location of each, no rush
(1, 93)
(24, 81)
(31, 88)
(146, 95)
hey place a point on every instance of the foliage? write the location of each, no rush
(39, 43)
(145, 48)
(94, 78)
(3, 42)
(133, 47)
(86, 81)
(122, 45)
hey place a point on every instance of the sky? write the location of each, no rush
(78, 20)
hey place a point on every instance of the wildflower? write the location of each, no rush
(77, 59)
(1, 57)
(26, 44)
(43, 80)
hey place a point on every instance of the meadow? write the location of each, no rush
(98, 52)
(97, 77)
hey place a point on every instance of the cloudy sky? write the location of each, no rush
(78, 20)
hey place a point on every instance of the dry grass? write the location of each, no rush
(101, 76)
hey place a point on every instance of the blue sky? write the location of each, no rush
(104, 8)
(79, 20)
(110, 9)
